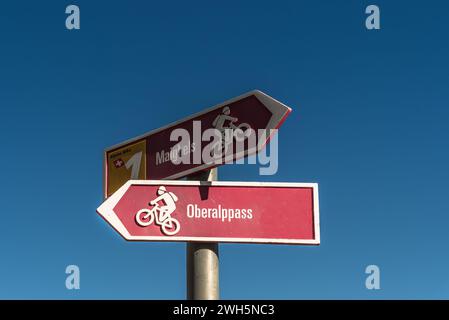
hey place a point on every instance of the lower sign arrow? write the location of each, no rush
(216, 211)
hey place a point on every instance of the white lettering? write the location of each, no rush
(223, 214)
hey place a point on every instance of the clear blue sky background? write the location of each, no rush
(369, 124)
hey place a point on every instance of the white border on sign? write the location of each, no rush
(278, 110)
(106, 210)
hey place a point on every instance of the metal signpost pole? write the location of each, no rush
(202, 260)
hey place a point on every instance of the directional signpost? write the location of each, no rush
(150, 156)
(216, 211)
(142, 204)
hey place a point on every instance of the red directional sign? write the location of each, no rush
(160, 210)
(151, 155)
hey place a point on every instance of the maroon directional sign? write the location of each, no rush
(165, 210)
(150, 156)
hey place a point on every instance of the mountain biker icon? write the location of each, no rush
(160, 214)
(241, 132)
(225, 122)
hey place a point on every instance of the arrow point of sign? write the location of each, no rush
(106, 210)
(279, 113)
(270, 102)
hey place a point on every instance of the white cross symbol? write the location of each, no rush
(118, 163)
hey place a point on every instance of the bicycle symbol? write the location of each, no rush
(225, 121)
(161, 215)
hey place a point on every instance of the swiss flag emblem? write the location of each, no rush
(119, 163)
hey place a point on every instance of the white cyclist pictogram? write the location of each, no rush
(225, 121)
(161, 214)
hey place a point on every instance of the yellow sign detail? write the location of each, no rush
(126, 163)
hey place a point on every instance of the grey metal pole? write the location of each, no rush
(202, 260)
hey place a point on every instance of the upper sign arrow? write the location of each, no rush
(154, 155)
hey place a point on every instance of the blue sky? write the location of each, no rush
(369, 124)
